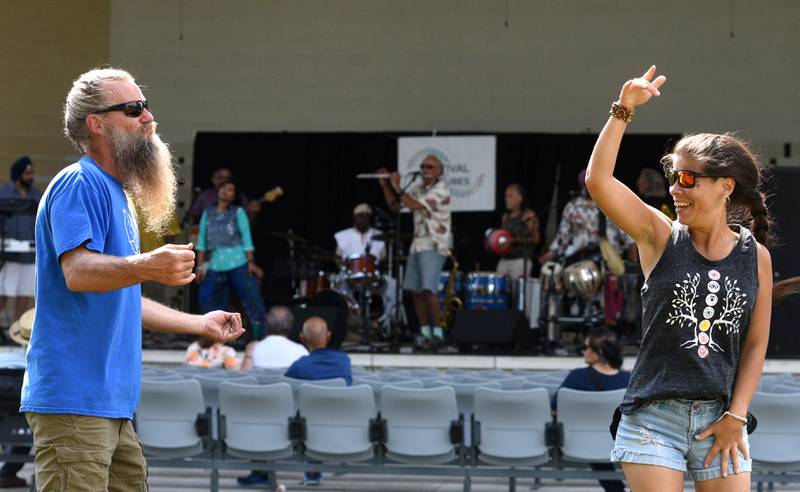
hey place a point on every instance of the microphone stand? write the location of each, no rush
(398, 248)
(366, 301)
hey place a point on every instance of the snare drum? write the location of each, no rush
(487, 290)
(361, 268)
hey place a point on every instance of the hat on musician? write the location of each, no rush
(362, 208)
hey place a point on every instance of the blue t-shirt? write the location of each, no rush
(322, 364)
(85, 353)
(581, 379)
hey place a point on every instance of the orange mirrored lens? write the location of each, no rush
(685, 179)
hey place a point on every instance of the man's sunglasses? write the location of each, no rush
(426, 166)
(685, 178)
(132, 109)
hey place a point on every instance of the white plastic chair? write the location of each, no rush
(585, 417)
(337, 422)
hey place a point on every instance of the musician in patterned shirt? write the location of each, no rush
(429, 202)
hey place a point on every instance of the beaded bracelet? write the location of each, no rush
(743, 420)
(620, 112)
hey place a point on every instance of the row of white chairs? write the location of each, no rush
(413, 425)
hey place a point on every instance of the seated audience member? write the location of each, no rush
(275, 351)
(206, 353)
(603, 354)
(321, 363)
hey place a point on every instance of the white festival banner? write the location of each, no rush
(469, 163)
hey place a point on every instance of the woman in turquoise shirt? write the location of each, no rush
(225, 233)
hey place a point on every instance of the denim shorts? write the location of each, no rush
(662, 433)
(423, 270)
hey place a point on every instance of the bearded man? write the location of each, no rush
(84, 360)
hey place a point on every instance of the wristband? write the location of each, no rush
(620, 112)
(743, 420)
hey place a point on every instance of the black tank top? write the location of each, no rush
(520, 233)
(695, 316)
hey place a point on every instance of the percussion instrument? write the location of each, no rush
(310, 286)
(487, 290)
(361, 269)
(498, 241)
(582, 278)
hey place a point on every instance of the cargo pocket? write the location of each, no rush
(83, 470)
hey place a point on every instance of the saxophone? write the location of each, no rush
(451, 302)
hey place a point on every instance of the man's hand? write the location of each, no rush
(382, 181)
(548, 256)
(222, 326)
(171, 264)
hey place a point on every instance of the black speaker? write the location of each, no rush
(332, 316)
(784, 203)
(491, 327)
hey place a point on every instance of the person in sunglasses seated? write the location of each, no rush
(706, 305)
(429, 202)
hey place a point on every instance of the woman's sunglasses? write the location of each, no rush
(685, 178)
(132, 109)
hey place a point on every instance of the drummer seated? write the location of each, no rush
(275, 351)
(357, 240)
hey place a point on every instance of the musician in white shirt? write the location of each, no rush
(355, 240)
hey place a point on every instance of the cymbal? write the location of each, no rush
(390, 236)
(320, 254)
(289, 236)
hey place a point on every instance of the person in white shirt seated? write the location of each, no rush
(355, 240)
(275, 351)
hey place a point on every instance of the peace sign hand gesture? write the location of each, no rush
(638, 91)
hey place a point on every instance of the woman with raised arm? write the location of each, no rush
(706, 302)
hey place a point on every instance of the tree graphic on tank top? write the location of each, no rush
(717, 315)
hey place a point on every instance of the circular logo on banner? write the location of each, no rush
(708, 312)
(713, 286)
(703, 338)
(702, 351)
(713, 275)
(461, 183)
(705, 325)
(711, 300)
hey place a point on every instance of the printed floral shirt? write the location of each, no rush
(432, 222)
(579, 226)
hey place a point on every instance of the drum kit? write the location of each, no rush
(357, 280)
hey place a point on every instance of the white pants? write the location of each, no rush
(514, 268)
(17, 279)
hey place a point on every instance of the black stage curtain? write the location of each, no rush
(318, 174)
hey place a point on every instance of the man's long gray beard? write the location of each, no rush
(148, 175)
